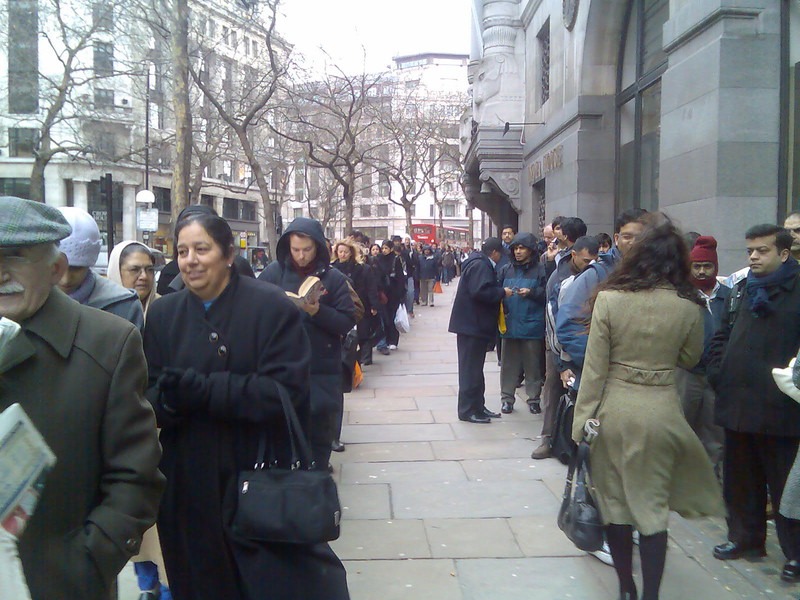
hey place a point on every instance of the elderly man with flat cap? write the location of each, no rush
(80, 374)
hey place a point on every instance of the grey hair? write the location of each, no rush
(52, 253)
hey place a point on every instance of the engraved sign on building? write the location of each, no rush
(550, 161)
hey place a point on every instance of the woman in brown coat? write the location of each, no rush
(646, 461)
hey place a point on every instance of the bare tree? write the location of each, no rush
(245, 107)
(56, 102)
(179, 53)
(333, 120)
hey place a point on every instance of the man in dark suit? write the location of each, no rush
(474, 321)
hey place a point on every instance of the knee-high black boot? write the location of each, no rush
(653, 552)
(620, 541)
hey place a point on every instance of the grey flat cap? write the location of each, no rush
(27, 223)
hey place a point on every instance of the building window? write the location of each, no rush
(383, 210)
(233, 38)
(230, 208)
(207, 200)
(366, 210)
(247, 210)
(254, 48)
(103, 16)
(23, 57)
(433, 210)
(15, 186)
(103, 58)
(449, 209)
(298, 213)
(22, 141)
(163, 199)
(383, 185)
(642, 62)
(543, 38)
(104, 98)
(225, 36)
(413, 210)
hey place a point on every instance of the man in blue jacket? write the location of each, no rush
(523, 338)
(474, 321)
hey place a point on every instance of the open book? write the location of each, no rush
(25, 459)
(309, 293)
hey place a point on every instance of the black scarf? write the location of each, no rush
(760, 304)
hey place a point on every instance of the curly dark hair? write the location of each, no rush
(660, 258)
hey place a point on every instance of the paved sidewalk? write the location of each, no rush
(443, 510)
(437, 509)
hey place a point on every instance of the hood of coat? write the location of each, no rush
(475, 256)
(529, 241)
(311, 228)
(107, 292)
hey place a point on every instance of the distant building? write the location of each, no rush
(689, 107)
(123, 69)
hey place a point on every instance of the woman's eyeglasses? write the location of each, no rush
(137, 270)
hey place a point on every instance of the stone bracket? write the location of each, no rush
(682, 37)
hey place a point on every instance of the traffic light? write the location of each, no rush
(107, 201)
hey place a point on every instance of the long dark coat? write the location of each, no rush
(80, 375)
(250, 338)
(477, 303)
(740, 363)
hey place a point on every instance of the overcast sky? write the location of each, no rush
(385, 28)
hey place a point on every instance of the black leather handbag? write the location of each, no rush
(296, 505)
(561, 444)
(579, 517)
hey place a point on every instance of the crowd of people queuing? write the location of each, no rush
(642, 335)
(208, 347)
(639, 330)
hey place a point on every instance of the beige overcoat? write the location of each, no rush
(646, 459)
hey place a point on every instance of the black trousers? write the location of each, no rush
(471, 384)
(753, 464)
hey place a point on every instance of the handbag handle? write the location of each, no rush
(297, 437)
(579, 463)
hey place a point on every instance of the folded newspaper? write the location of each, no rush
(25, 459)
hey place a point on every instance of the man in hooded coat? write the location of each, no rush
(300, 253)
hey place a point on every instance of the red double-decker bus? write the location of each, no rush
(428, 233)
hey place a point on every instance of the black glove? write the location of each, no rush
(183, 391)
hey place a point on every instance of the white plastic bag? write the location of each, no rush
(401, 319)
(783, 379)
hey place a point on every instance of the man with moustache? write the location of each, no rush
(80, 375)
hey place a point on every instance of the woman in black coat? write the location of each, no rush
(390, 270)
(350, 261)
(216, 353)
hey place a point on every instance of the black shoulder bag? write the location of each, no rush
(298, 505)
(561, 443)
(579, 517)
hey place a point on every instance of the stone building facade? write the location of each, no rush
(588, 107)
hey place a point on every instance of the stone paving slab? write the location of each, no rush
(471, 538)
(439, 404)
(382, 539)
(383, 452)
(365, 502)
(403, 580)
(388, 417)
(539, 535)
(477, 449)
(379, 404)
(534, 579)
(507, 469)
(396, 433)
(498, 429)
(471, 500)
(414, 392)
(403, 383)
(403, 472)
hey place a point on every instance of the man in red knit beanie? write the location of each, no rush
(697, 397)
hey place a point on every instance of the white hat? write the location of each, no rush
(82, 246)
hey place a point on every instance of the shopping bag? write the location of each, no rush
(437, 288)
(358, 376)
(401, 319)
(501, 321)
